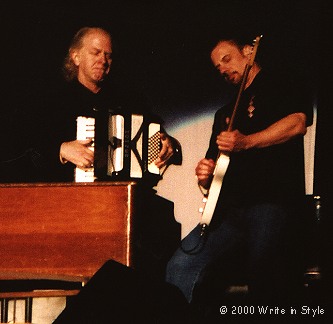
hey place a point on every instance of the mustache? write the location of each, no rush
(229, 76)
(226, 76)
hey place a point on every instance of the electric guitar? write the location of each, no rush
(222, 163)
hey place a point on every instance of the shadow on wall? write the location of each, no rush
(179, 184)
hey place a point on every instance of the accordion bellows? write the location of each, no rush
(133, 145)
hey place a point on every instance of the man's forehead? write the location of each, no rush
(95, 40)
(224, 46)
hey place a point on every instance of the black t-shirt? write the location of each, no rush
(271, 174)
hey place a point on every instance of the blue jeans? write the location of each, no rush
(262, 231)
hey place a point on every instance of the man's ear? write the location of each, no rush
(75, 57)
(247, 50)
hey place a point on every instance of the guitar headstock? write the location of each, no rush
(254, 49)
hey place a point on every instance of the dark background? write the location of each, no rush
(160, 47)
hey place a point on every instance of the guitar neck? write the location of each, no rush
(244, 81)
(240, 92)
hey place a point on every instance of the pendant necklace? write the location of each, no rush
(251, 108)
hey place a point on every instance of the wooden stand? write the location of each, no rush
(64, 230)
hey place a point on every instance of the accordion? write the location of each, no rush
(125, 147)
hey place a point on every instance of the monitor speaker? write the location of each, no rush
(119, 294)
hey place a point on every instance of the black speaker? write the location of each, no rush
(157, 233)
(119, 294)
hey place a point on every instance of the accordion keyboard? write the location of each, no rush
(85, 130)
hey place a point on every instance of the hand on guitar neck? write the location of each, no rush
(231, 141)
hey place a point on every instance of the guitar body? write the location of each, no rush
(222, 164)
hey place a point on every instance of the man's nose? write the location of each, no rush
(221, 69)
(103, 58)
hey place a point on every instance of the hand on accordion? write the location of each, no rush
(168, 149)
(78, 152)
